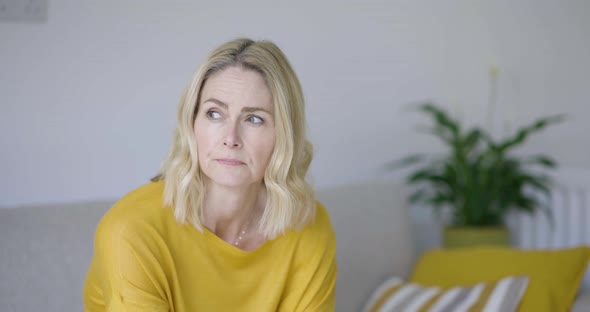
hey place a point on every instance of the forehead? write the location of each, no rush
(237, 86)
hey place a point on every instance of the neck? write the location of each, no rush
(228, 211)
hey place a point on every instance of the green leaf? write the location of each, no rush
(477, 177)
(440, 199)
(523, 133)
(417, 197)
(541, 160)
(404, 162)
(441, 118)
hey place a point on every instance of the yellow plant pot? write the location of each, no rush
(454, 237)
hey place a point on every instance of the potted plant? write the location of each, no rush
(478, 179)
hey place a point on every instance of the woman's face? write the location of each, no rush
(234, 127)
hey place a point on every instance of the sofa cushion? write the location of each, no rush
(555, 275)
(46, 252)
(372, 236)
(395, 294)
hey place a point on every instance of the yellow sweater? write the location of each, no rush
(145, 261)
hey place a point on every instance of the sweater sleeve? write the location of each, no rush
(127, 270)
(312, 282)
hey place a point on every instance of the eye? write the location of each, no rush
(213, 115)
(255, 120)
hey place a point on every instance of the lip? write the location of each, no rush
(230, 161)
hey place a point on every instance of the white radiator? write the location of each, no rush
(570, 207)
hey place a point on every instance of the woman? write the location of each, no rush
(229, 223)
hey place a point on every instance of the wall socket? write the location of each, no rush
(23, 11)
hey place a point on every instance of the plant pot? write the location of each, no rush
(454, 237)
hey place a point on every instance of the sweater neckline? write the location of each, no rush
(211, 237)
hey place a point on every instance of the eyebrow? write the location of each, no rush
(245, 109)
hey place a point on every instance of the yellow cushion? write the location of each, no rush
(555, 275)
(397, 295)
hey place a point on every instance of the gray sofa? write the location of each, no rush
(45, 251)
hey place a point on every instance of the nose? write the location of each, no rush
(232, 137)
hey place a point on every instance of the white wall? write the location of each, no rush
(88, 99)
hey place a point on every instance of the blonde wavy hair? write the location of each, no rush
(290, 199)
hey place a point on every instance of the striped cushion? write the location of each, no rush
(397, 295)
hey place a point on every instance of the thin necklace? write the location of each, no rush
(242, 234)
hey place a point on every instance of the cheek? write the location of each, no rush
(266, 148)
(202, 140)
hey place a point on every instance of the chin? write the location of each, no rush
(230, 177)
(231, 181)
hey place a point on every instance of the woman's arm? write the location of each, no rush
(126, 270)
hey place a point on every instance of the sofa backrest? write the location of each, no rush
(45, 253)
(373, 238)
(46, 250)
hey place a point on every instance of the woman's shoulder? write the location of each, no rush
(316, 239)
(146, 193)
(322, 217)
(143, 205)
(320, 228)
